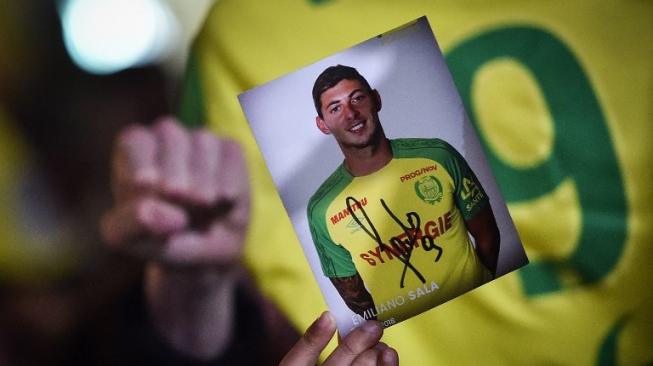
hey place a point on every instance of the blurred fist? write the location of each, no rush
(181, 196)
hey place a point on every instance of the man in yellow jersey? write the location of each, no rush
(391, 223)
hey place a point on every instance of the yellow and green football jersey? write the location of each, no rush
(402, 228)
(561, 95)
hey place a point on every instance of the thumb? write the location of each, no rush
(307, 350)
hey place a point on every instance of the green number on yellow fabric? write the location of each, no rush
(582, 151)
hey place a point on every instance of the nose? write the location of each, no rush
(351, 111)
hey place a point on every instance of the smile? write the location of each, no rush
(356, 127)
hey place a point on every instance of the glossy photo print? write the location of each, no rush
(384, 178)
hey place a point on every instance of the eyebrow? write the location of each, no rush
(349, 96)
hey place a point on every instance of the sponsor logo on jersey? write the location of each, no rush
(429, 189)
(470, 189)
(424, 237)
(336, 218)
(418, 172)
(471, 194)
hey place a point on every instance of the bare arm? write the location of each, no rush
(483, 228)
(193, 308)
(353, 292)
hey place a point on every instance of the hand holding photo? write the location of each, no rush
(396, 209)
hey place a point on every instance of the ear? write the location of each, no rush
(319, 122)
(377, 99)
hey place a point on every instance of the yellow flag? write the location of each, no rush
(561, 94)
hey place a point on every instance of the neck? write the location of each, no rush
(367, 160)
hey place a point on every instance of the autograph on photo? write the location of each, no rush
(402, 249)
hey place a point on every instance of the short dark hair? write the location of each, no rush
(331, 76)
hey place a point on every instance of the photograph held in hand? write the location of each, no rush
(348, 109)
(398, 212)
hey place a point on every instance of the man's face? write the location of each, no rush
(350, 114)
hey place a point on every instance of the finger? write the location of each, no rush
(307, 350)
(204, 165)
(369, 357)
(196, 247)
(173, 158)
(186, 247)
(355, 343)
(232, 177)
(219, 244)
(225, 238)
(233, 185)
(139, 218)
(389, 357)
(134, 162)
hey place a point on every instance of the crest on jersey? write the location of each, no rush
(429, 189)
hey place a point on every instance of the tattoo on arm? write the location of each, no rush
(353, 292)
(483, 228)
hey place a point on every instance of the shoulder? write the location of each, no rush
(432, 148)
(332, 186)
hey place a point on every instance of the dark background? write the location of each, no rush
(55, 274)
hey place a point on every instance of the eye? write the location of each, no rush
(334, 109)
(357, 98)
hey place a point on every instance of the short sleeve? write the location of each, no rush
(335, 260)
(470, 196)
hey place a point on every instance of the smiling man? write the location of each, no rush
(391, 225)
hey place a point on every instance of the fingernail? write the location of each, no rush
(381, 346)
(371, 327)
(325, 320)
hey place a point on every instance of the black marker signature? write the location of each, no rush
(411, 231)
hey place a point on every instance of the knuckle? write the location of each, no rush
(168, 128)
(369, 357)
(231, 148)
(349, 347)
(358, 341)
(311, 338)
(204, 137)
(177, 189)
(203, 197)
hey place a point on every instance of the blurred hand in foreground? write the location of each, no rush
(182, 204)
(181, 196)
